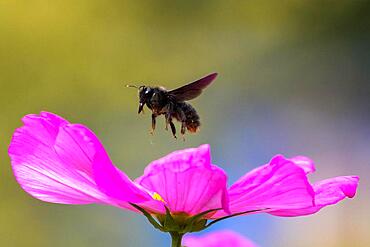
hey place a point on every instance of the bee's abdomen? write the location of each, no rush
(191, 117)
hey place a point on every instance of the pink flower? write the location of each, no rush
(56, 161)
(223, 238)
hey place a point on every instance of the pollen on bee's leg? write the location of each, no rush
(157, 197)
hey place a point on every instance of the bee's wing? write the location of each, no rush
(193, 89)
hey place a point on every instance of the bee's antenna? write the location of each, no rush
(132, 86)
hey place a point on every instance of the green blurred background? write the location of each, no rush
(294, 78)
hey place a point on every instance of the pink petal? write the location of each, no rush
(305, 163)
(327, 192)
(115, 183)
(52, 160)
(279, 184)
(218, 239)
(186, 181)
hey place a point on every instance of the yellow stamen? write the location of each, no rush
(157, 197)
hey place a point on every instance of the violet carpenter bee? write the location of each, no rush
(172, 104)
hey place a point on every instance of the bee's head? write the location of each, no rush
(145, 93)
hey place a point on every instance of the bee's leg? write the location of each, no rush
(183, 122)
(183, 128)
(173, 128)
(167, 115)
(167, 119)
(153, 124)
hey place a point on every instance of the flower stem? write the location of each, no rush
(176, 239)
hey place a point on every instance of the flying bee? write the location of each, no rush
(172, 104)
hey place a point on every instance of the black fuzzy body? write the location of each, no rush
(160, 102)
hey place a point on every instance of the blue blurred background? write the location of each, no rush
(294, 78)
